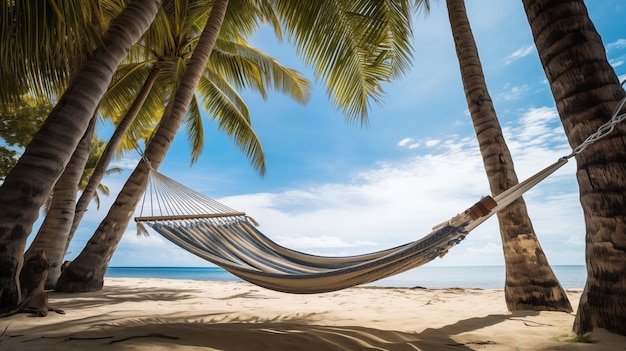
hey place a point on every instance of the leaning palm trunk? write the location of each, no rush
(53, 231)
(587, 90)
(530, 283)
(103, 163)
(86, 272)
(29, 184)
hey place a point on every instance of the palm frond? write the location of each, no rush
(248, 67)
(195, 129)
(41, 42)
(244, 18)
(126, 83)
(211, 81)
(348, 43)
(235, 124)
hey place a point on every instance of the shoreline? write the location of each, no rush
(435, 277)
(164, 314)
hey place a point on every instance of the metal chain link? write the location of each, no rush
(603, 131)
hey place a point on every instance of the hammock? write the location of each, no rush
(229, 239)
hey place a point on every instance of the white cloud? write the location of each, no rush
(405, 141)
(432, 142)
(131, 238)
(519, 53)
(125, 163)
(514, 93)
(618, 44)
(398, 202)
(409, 143)
(616, 62)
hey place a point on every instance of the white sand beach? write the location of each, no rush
(161, 314)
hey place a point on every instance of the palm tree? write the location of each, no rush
(97, 149)
(30, 182)
(530, 283)
(153, 78)
(59, 210)
(587, 91)
(349, 44)
(58, 217)
(86, 272)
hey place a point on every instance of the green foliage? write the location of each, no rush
(580, 339)
(167, 47)
(97, 149)
(354, 46)
(19, 121)
(583, 339)
(8, 159)
(33, 56)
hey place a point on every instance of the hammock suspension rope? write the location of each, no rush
(229, 238)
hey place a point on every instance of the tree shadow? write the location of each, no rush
(221, 331)
(228, 331)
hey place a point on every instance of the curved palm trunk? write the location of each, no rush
(86, 272)
(530, 282)
(587, 90)
(52, 234)
(107, 154)
(29, 184)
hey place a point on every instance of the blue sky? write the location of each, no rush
(334, 188)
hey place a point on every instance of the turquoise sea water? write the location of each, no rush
(483, 277)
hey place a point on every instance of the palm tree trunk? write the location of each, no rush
(530, 283)
(29, 184)
(586, 91)
(53, 231)
(86, 272)
(107, 154)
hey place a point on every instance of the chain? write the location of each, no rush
(603, 131)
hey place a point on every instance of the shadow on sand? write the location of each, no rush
(221, 331)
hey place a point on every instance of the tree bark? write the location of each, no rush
(52, 234)
(530, 283)
(29, 184)
(586, 91)
(86, 272)
(107, 155)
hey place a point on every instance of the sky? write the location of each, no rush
(336, 188)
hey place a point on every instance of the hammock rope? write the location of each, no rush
(229, 238)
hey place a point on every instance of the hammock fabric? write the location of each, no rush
(229, 239)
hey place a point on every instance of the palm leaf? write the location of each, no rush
(195, 129)
(234, 123)
(248, 67)
(41, 42)
(348, 44)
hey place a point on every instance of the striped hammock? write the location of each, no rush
(230, 239)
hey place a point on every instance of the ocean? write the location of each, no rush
(481, 277)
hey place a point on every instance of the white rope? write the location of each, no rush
(603, 131)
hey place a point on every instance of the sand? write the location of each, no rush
(161, 314)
